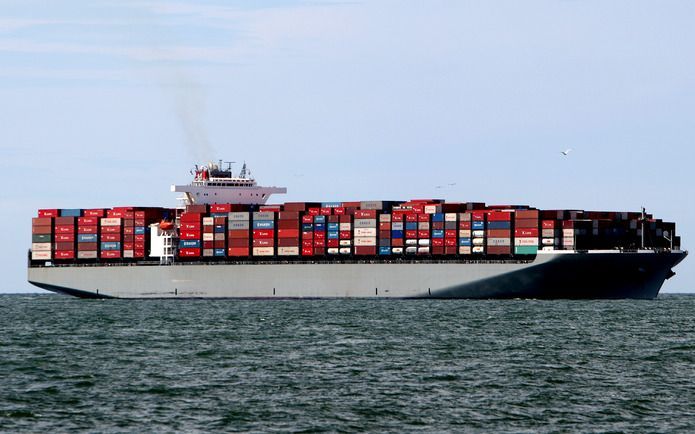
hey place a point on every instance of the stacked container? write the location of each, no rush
(478, 231)
(42, 235)
(345, 234)
(319, 236)
(385, 234)
(526, 232)
(208, 237)
(333, 234)
(238, 230)
(365, 232)
(437, 240)
(129, 234)
(65, 235)
(190, 235)
(465, 233)
(450, 233)
(111, 237)
(499, 233)
(139, 234)
(423, 230)
(263, 240)
(397, 233)
(410, 233)
(88, 235)
(288, 233)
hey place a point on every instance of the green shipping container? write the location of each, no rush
(525, 250)
(45, 238)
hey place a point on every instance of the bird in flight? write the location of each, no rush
(451, 184)
(566, 152)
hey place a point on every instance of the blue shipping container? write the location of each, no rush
(499, 225)
(333, 235)
(438, 217)
(319, 226)
(385, 250)
(411, 226)
(333, 226)
(191, 244)
(396, 234)
(87, 238)
(220, 252)
(263, 224)
(464, 242)
(71, 213)
(111, 246)
(139, 230)
(307, 227)
(319, 219)
(478, 225)
(220, 229)
(437, 233)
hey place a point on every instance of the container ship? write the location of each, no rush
(225, 241)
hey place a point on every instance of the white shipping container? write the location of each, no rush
(568, 233)
(411, 250)
(548, 241)
(568, 242)
(525, 241)
(397, 226)
(333, 250)
(208, 221)
(423, 242)
(238, 224)
(411, 242)
(128, 253)
(116, 221)
(291, 251)
(365, 223)
(397, 250)
(464, 250)
(208, 252)
(549, 233)
(433, 209)
(478, 249)
(238, 216)
(499, 242)
(423, 226)
(344, 243)
(219, 237)
(88, 254)
(365, 232)
(365, 241)
(464, 216)
(464, 233)
(208, 237)
(548, 249)
(478, 234)
(40, 247)
(41, 256)
(423, 250)
(385, 218)
(345, 250)
(263, 251)
(345, 226)
(478, 241)
(450, 217)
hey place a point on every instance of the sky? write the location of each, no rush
(108, 103)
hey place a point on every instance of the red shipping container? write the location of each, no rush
(548, 224)
(139, 222)
(365, 214)
(527, 214)
(139, 253)
(93, 212)
(318, 235)
(345, 235)
(62, 238)
(499, 250)
(191, 217)
(238, 242)
(208, 244)
(65, 221)
(110, 254)
(478, 215)
(526, 223)
(288, 215)
(288, 233)
(238, 234)
(450, 233)
(288, 224)
(87, 229)
(365, 250)
(139, 237)
(263, 233)
(450, 242)
(437, 225)
(345, 218)
(499, 233)
(314, 212)
(333, 243)
(325, 211)
(351, 204)
(308, 235)
(111, 229)
(263, 242)
(464, 225)
(333, 218)
(448, 250)
(128, 246)
(128, 231)
(396, 217)
(139, 214)
(385, 234)
(208, 229)
(219, 244)
(307, 243)
(219, 220)
(188, 226)
(87, 247)
(189, 252)
(423, 217)
(438, 242)
(526, 232)
(423, 234)
(568, 224)
(65, 229)
(64, 246)
(411, 218)
(190, 235)
(110, 237)
(139, 245)
(238, 251)
(437, 250)
(396, 242)
(64, 254)
(128, 223)
(41, 221)
(114, 213)
(384, 226)
(41, 230)
(48, 213)
(339, 210)
(288, 242)
(128, 238)
(319, 243)
(411, 234)
(307, 251)
(307, 219)
(220, 208)
(87, 221)
(319, 251)
(499, 216)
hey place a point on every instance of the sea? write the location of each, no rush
(72, 365)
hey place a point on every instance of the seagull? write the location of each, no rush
(438, 186)
(566, 152)
(451, 184)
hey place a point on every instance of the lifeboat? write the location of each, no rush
(166, 225)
